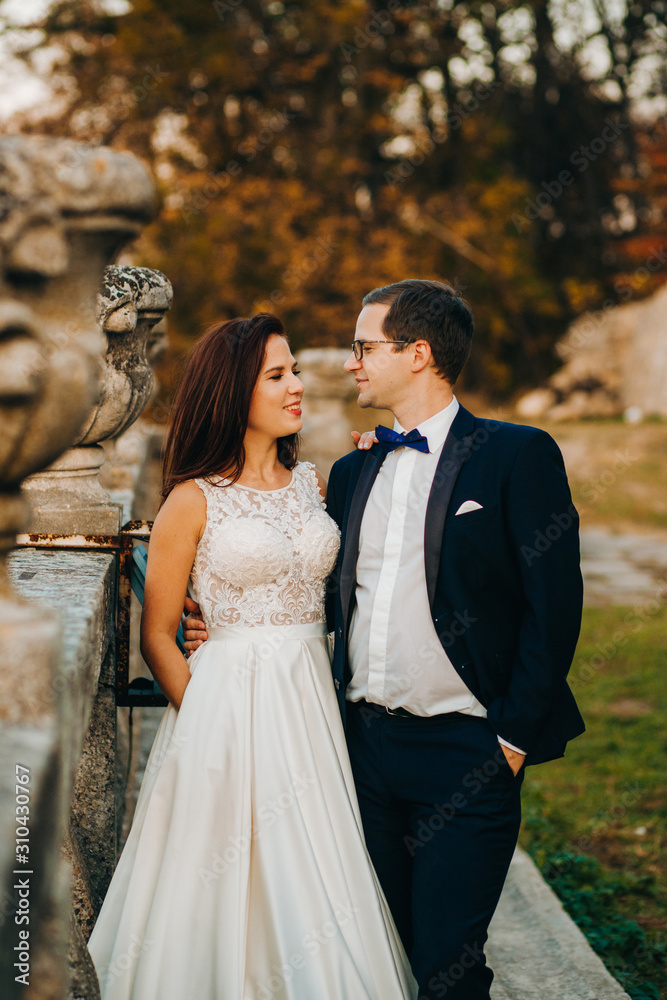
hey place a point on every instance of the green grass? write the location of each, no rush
(594, 822)
(630, 500)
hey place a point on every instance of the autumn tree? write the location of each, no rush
(308, 151)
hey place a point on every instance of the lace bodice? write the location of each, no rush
(265, 555)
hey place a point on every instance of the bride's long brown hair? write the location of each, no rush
(210, 413)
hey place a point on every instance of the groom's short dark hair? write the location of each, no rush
(431, 311)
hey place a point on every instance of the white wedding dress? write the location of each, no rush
(245, 875)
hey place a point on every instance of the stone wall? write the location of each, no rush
(614, 362)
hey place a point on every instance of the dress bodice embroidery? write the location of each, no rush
(264, 556)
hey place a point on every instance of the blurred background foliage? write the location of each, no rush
(308, 151)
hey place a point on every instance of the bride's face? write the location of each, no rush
(275, 407)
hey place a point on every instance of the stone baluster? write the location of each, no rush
(131, 309)
(132, 301)
(67, 209)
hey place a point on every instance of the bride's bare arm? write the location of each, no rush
(171, 553)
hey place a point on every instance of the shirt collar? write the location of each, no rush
(437, 427)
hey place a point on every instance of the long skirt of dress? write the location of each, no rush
(245, 875)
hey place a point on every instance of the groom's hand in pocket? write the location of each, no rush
(514, 759)
(194, 630)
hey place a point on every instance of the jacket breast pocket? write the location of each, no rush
(473, 517)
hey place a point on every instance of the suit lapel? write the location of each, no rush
(352, 526)
(455, 451)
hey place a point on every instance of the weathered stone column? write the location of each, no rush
(67, 208)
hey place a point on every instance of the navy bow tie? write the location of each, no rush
(389, 440)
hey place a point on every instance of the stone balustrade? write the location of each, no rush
(73, 372)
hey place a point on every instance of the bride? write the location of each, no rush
(245, 875)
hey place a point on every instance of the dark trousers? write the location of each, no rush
(441, 810)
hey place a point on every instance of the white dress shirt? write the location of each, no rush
(396, 657)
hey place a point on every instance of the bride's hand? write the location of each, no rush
(365, 440)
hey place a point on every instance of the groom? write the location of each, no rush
(456, 605)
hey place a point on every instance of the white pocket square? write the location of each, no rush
(467, 506)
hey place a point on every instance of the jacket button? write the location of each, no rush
(337, 684)
(340, 633)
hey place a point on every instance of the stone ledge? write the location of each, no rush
(536, 950)
(81, 587)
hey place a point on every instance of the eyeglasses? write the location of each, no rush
(358, 346)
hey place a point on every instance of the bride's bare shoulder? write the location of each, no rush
(184, 509)
(185, 494)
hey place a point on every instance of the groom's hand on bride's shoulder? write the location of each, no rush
(364, 441)
(194, 630)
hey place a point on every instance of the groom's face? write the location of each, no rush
(382, 373)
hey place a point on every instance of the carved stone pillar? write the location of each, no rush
(66, 209)
(74, 207)
(132, 301)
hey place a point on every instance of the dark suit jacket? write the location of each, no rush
(503, 582)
